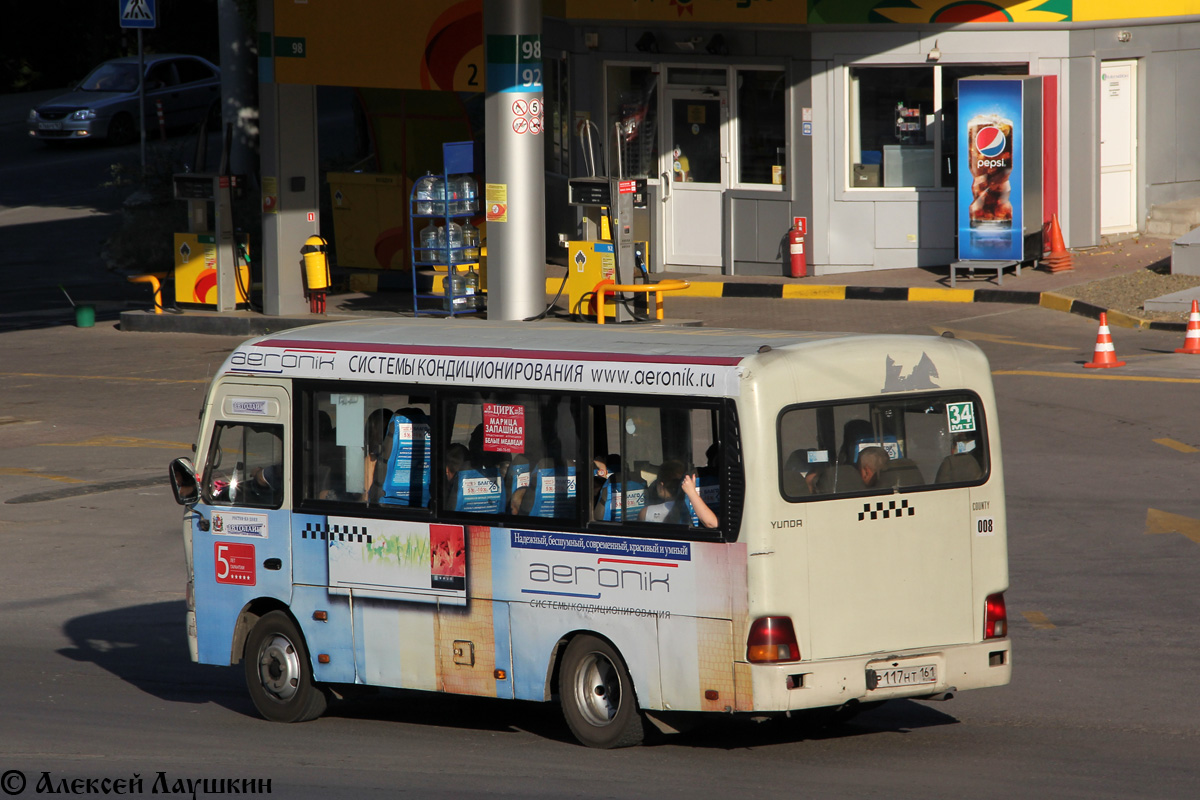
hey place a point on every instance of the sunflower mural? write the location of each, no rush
(950, 12)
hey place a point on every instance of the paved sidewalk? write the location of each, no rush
(1033, 287)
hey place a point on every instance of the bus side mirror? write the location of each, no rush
(183, 482)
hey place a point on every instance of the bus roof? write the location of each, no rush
(549, 355)
(681, 342)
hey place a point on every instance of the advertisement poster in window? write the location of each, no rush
(990, 156)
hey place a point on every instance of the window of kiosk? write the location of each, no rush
(867, 447)
(245, 466)
(891, 142)
(893, 116)
(761, 127)
(365, 448)
(641, 458)
(511, 453)
(632, 104)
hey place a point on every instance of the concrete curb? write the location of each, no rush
(1050, 300)
(246, 324)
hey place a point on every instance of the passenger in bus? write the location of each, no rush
(457, 459)
(962, 464)
(376, 433)
(872, 462)
(859, 476)
(672, 485)
(603, 468)
(799, 474)
(854, 432)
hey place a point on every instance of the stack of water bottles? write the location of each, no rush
(451, 243)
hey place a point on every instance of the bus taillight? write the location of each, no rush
(772, 639)
(995, 620)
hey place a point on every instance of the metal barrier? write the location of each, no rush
(155, 280)
(608, 287)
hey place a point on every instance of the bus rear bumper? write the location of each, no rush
(881, 676)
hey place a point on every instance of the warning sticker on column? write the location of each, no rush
(234, 563)
(496, 198)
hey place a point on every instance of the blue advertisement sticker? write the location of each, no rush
(602, 545)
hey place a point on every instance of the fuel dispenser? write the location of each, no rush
(593, 260)
(210, 271)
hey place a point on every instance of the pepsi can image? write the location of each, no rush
(991, 141)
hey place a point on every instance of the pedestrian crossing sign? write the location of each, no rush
(138, 14)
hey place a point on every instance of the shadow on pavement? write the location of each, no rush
(146, 646)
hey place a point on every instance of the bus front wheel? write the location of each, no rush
(278, 672)
(597, 695)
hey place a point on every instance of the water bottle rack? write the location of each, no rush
(456, 297)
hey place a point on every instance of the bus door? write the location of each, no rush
(363, 456)
(889, 556)
(240, 536)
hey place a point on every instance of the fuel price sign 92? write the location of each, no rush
(514, 63)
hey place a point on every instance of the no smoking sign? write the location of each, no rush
(527, 116)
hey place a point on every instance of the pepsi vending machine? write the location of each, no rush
(1000, 168)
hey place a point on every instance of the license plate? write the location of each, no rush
(50, 126)
(906, 676)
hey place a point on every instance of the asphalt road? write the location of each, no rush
(98, 683)
(1104, 557)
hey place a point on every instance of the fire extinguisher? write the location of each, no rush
(796, 247)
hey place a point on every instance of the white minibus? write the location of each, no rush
(638, 522)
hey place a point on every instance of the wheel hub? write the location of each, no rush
(279, 667)
(598, 690)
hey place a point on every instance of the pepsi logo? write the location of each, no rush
(990, 141)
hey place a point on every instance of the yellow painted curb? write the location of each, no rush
(814, 292)
(923, 295)
(700, 289)
(1056, 302)
(1123, 320)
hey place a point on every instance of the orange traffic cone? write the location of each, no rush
(1191, 340)
(1106, 355)
(1059, 259)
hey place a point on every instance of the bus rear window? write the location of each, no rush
(881, 446)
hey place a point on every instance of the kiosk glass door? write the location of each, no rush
(696, 175)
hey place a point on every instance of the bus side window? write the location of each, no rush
(511, 453)
(351, 445)
(245, 466)
(648, 462)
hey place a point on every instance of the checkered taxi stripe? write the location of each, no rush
(892, 509)
(335, 533)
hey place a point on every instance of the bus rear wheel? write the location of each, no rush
(278, 672)
(598, 700)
